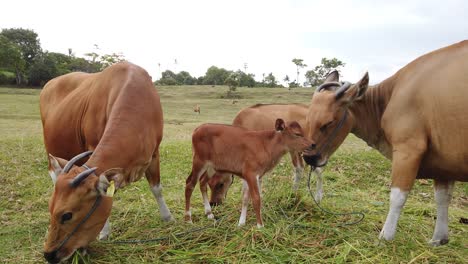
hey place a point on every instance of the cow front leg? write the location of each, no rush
(154, 180)
(443, 195)
(405, 165)
(298, 169)
(319, 187)
(105, 232)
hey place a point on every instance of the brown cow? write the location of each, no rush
(262, 117)
(117, 114)
(248, 154)
(417, 118)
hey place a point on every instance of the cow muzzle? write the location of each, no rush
(51, 257)
(315, 160)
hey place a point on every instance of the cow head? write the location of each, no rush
(328, 121)
(219, 185)
(79, 206)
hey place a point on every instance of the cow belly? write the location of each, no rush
(453, 166)
(134, 174)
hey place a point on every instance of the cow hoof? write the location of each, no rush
(168, 218)
(318, 197)
(103, 236)
(241, 224)
(259, 226)
(439, 242)
(210, 216)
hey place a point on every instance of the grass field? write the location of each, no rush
(357, 178)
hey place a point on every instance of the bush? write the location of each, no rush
(7, 78)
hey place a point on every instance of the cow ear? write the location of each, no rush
(105, 179)
(279, 125)
(357, 91)
(55, 167)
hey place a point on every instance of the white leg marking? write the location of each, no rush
(163, 210)
(105, 232)
(397, 201)
(206, 204)
(298, 170)
(319, 190)
(245, 203)
(189, 214)
(443, 196)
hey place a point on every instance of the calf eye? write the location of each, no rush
(66, 217)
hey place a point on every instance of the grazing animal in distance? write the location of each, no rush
(196, 109)
(248, 154)
(416, 118)
(113, 117)
(262, 117)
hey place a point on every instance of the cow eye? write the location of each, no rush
(297, 134)
(324, 127)
(66, 217)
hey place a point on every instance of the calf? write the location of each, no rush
(248, 154)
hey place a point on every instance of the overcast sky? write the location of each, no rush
(378, 36)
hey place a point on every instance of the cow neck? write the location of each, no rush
(367, 115)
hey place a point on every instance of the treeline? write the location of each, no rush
(217, 76)
(24, 63)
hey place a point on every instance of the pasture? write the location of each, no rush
(356, 179)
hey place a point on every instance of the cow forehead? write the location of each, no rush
(324, 99)
(66, 196)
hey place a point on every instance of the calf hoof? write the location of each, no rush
(241, 224)
(210, 216)
(439, 242)
(259, 226)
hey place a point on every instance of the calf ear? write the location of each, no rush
(279, 125)
(106, 177)
(55, 167)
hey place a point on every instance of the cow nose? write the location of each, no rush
(51, 257)
(313, 146)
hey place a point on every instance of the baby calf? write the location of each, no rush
(225, 149)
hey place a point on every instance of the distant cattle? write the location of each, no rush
(114, 118)
(196, 109)
(225, 149)
(417, 118)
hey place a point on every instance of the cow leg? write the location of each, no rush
(405, 165)
(192, 179)
(443, 195)
(154, 179)
(105, 232)
(206, 202)
(245, 203)
(298, 164)
(319, 187)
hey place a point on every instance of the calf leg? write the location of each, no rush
(154, 179)
(443, 195)
(206, 202)
(245, 203)
(254, 190)
(192, 179)
(405, 165)
(105, 232)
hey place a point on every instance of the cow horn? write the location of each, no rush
(81, 177)
(342, 90)
(71, 162)
(323, 86)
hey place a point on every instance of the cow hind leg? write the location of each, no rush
(154, 179)
(405, 165)
(443, 195)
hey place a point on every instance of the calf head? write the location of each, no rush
(219, 185)
(293, 135)
(327, 121)
(79, 206)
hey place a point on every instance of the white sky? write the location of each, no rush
(378, 36)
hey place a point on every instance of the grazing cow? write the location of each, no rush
(262, 117)
(416, 118)
(196, 109)
(116, 115)
(228, 149)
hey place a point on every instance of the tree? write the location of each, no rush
(216, 76)
(299, 64)
(184, 78)
(233, 81)
(107, 60)
(167, 78)
(246, 79)
(270, 80)
(11, 59)
(316, 76)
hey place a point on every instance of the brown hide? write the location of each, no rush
(117, 113)
(235, 150)
(417, 118)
